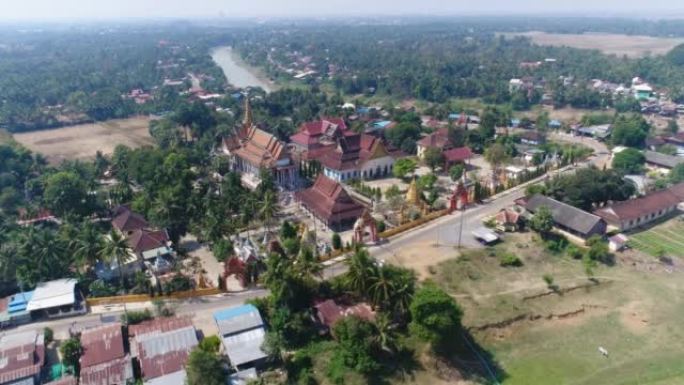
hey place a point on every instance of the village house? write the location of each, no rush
(314, 135)
(329, 312)
(329, 202)
(163, 346)
(58, 298)
(532, 138)
(568, 218)
(661, 162)
(508, 220)
(600, 132)
(438, 139)
(104, 360)
(454, 156)
(242, 332)
(252, 149)
(676, 140)
(633, 213)
(22, 356)
(358, 156)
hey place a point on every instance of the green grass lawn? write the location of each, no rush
(667, 238)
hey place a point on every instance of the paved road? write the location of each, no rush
(442, 232)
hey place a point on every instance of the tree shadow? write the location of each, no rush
(473, 361)
(401, 364)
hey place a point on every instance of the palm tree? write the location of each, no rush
(381, 287)
(386, 337)
(269, 208)
(88, 245)
(360, 270)
(307, 264)
(116, 249)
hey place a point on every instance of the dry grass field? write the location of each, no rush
(550, 335)
(83, 141)
(614, 44)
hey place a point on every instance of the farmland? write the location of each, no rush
(550, 334)
(612, 44)
(664, 239)
(83, 141)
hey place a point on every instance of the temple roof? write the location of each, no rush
(329, 200)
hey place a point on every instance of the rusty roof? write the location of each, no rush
(636, 208)
(161, 353)
(126, 220)
(164, 324)
(22, 355)
(329, 312)
(101, 344)
(116, 371)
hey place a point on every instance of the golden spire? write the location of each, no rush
(412, 196)
(247, 120)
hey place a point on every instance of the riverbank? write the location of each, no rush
(238, 72)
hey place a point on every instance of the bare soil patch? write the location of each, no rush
(612, 44)
(84, 140)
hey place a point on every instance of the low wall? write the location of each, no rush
(144, 297)
(413, 224)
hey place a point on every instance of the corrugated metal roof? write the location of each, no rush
(21, 355)
(156, 343)
(234, 312)
(175, 378)
(117, 371)
(245, 347)
(239, 323)
(164, 324)
(53, 294)
(101, 344)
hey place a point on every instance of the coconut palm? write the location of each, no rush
(381, 287)
(268, 208)
(360, 271)
(87, 245)
(116, 249)
(386, 337)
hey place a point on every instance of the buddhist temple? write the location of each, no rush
(330, 203)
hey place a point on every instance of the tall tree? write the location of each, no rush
(116, 250)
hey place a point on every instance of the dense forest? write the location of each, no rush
(444, 60)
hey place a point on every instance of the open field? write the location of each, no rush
(614, 44)
(666, 238)
(539, 335)
(83, 141)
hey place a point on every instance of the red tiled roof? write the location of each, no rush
(352, 151)
(329, 200)
(459, 154)
(126, 220)
(506, 216)
(437, 139)
(311, 132)
(329, 312)
(637, 208)
(261, 148)
(101, 344)
(162, 325)
(144, 240)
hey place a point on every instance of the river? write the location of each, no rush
(237, 72)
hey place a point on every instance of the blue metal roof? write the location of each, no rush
(233, 312)
(19, 301)
(454, 116)
(382, 123)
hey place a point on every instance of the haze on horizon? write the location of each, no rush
(70, 10)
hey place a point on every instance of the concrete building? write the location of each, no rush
(242, 332)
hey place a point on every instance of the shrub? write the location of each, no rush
(510, 260)
(134, 317)
(548, 278)
(210, 344)
(222, 249)
(336, 241)
(100, 288)
(381, 226)
(573, 252)
(49, 335)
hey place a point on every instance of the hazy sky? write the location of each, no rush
(112, 9)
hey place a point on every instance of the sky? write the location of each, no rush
(20, 10)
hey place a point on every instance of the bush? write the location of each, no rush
(336, 241)
(100, 288)
(49, 335)
(210, 344)
(548, 279)
(573, 252)
(134, 317)
(222, 250)
(380, 225)
(179, 282)
(510, 260)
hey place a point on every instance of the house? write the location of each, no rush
(508, 220)
(438, 139)
(600, 132)
(617, 242)
(454, 156)
(642, 92)
(22, 356)
(328, 312)
(16, 313)
(642, 183)
(627, 215)
(568, 218)
(126, 221)
(163, 346)
(242, 332)
(514, 85)
(252, 149)
(59, 298)
(379, 126)
(676, 140)
(153, 247)
(661, 162)
(555, 124)
(104, 360)
(532, 138)
(330, 203)
(358, 156)
(653, 143)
